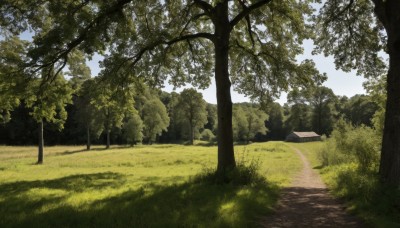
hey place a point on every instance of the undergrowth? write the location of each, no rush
(350, 161)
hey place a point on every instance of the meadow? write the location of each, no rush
(152, 186)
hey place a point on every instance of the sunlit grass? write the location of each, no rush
(141, 186)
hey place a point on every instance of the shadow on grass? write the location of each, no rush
(375, 202)
(67, 152)
(318, 167)
(190, 204)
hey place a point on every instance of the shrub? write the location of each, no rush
(349, 144)
(207, 135)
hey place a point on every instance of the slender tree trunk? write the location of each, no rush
(191, 134)
(226, 156)
(108, 139)
(88, 138)
(389, 169)
(41, 143)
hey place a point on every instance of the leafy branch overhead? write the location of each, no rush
(170, 39)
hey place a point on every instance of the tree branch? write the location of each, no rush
(207, 8)
(245, 12)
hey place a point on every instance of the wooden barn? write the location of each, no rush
(303, 137)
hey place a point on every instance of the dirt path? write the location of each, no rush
(307, 203)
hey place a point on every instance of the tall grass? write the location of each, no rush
(145, 186)
(349, 162)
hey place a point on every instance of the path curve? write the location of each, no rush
(307, 203)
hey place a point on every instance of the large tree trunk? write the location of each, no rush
(88, 138)
(389, 169)
(41, 143)
(108, 139)
(226, 156)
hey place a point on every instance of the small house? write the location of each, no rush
(296, 136)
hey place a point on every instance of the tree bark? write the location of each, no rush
(226, 156)
(41, 143)
(389, 169)
(108, 139)
(88, 138)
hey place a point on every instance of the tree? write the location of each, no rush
(322, 100)
(133, 129)
(255, 123)
(114, 103)
(185, 40)
(48, 101)
(274, 123)
(354, 32)
(155, 119)
(87, 114)
(300, 111)
(360, 109)
(192, 109)
(12, 83)
(247, 122)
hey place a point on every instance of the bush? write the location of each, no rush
(207, 135)
(349, 144)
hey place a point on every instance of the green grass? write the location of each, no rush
(152, 186)
(377, 205)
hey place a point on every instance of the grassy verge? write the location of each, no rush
(377, 205)
(152, 186)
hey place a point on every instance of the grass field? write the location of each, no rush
(152, 186)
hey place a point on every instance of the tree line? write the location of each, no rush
(100, 115)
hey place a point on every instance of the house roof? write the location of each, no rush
(306, 134)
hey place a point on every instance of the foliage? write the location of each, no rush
(192, 113)
(352, 144)
(12, 83)
(155, 119)
(133, 129)
(207, 135)
(247, 122)
(136, 187)
(48, 100)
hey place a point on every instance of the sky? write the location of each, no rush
(342, 83)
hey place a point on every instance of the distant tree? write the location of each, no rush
(275, 122)
(212, 119)
(360, 109)
(239, 123)
(247, 122)
(322, 100)
(155, 119)
(255, 123)
(192, 109)
(87, 114)
(133, 129)
(48, 101)
(299, 118)
(114, 103)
